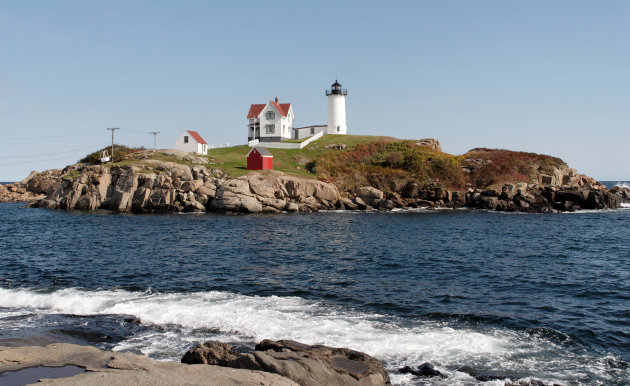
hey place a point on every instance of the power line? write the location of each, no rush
(48, 136)
(47, 154)
(38, 161)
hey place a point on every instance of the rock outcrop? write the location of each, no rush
(431, 143)
(307, 365)
(115, 368)
(17, 193)
(170, 187)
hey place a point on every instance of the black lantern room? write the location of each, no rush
(336, 89)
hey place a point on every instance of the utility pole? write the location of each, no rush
(113, 129)
(155, 133)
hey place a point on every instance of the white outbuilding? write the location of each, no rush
(190, 141)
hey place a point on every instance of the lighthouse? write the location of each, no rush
(336, 109)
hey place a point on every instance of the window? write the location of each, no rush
(270, 129)
(185, 139)
(312, 130)
(338, 129)
(270, 115)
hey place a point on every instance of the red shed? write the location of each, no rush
(259, 158)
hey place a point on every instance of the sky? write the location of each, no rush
(548, 77)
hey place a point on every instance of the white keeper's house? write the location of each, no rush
(270, 122)
(191, 142)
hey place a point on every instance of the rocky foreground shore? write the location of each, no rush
(272, 363)
(98, 367)
(158, 186)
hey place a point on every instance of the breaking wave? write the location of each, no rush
(179, 319)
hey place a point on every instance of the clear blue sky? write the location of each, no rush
(542, 76)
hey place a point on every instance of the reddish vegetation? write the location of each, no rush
(388, 166)
(492, 166)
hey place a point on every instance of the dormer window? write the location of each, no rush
(270, 115)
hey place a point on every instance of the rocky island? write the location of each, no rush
(351, 173)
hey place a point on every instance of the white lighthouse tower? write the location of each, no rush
(336, 109)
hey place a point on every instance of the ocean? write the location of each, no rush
(482, 296)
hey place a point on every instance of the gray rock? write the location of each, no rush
(304, 364)
(210, 353)
(368, 192)
(116, 368)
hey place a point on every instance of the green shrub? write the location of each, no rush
(120, 152)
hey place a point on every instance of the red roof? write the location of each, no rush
(255, 110)
(283, 108)
(197, 137)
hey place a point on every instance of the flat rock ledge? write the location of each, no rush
(307, 365)
(113, 368)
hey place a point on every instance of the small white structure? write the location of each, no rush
(271, 122)
(191, 142)
(105, 157)
(307, 131)
(336, 109)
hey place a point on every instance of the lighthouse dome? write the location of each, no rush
(336, 89)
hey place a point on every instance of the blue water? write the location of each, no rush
(516, 296)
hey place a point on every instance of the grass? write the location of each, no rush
(232, 160)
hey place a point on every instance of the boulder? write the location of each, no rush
(410, 190)
(348, 204)
(181, 172)
(191, 186)
(424, 370)
(431, 143)
(207, 189)
(368, 195)
(575, 196)
(385, 205)
(292, 207)
(300, 188)
(210, 353)
(304, 364)
(233, 188)
(265, 186)
(488, 202)
(458, 199)
(368, 192)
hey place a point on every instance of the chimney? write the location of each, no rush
(276, 99)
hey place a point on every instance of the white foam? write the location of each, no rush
(623, 185)
(186, 318)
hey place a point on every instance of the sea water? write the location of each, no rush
(500, 296)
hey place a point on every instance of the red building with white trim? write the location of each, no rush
(259, 158)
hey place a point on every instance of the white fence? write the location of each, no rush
(284, 145)
(219, 146)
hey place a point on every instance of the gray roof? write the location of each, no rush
(263, 151)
